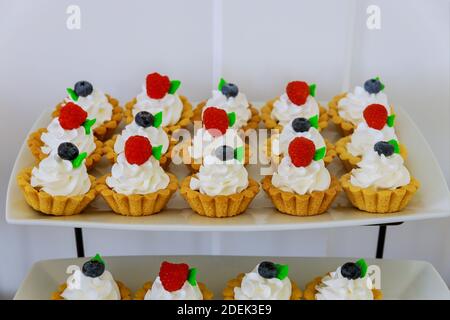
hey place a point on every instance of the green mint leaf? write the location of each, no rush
(76, 163)
(157, 119)
(222, 82)
(231, 119)
(314, 121)
(283, 271)
(174, 85)
(395, 144)
(72, 94)
(239, 153)
(192, 277)
(363, 266)
(320, 153)
(312, 90)
(157, 152)
(88, 125)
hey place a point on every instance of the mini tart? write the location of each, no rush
(125, 293)
(252, 123)
(219, 206)
(54, 205)
(294, 204)
(137, 205)
(140, 294)
(271, 123)
(228, 292)
(329, 156)
(379, 201)
(35, 145)
(310, 291)
(185, 119)
(106, 130)
(111, 155)
(350, 161)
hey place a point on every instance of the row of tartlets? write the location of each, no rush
(267, 281)
(82, 129)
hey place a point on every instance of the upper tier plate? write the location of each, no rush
(431, 201)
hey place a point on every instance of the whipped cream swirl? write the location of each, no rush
(238, 105)
(364, 138)
(280, 144)
(157, 137)
(187, 292)
(58, 177)
(284, 110)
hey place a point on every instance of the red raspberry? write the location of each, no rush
(298, 92)
(173, 275)
(138, 150)
(157, 85)
(301, 151)
(72, 116)
(375, 116)
(215, 121)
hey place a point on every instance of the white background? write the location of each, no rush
(258, 44)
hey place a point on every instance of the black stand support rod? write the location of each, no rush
(79, 242)
(381, 241)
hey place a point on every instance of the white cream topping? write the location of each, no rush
(238, 105)
(157, 137)
(57, 177)
(56, 135)
(255, 287)
(380, 172)
(301, 180)
(364, 138)
(225, 178)
(351, 107)
(187, 292)
(131, 179)
(285, 111)
(170, 105)
(81, 287)
(334, 286)
(280, 143)
(96, 105)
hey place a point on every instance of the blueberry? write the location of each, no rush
(301, 125)
(383, 147)
(144, 119)
(373, 86)
(93, 269)
(267, 270)
(224, 153)
(230, 90)
(83, 88)
(351, 271)
(68, 151)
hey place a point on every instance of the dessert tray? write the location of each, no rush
(431, 201)
(399, 279)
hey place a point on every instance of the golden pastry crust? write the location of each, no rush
(125, 293)
(35, 145)
(310, 291)
(140, 294)
(379, 201)
(106, 130)
(252, 123)
(185, 119)
(54, 205)
(350, 161)
(345, 127)
(137, 205)
(111, 155)
(219, 206)
(271, 123)
(294, 204)
(228, 292)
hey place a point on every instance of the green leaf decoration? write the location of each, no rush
(314, 121)
(98, 258)
(382, 84)
(395, 144)
(312, 90)
(222, 82)
(174, 85)
(88, 125)
(157, 119)
(283, 271)
(239, 153)
(72, 94)
(320, 153)
(76, 163)
(192, 277)
(390, 120)
(231, 119)
(363, 266)
(157, 152)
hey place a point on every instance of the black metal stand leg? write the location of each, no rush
(381, 240)
(79, 242)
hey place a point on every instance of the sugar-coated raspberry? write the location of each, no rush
(138, 150)
(301, 150)
(157, 85)
(215, 120)
(173, 276)
(375, 116)
(298, 92)
(72, 116)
